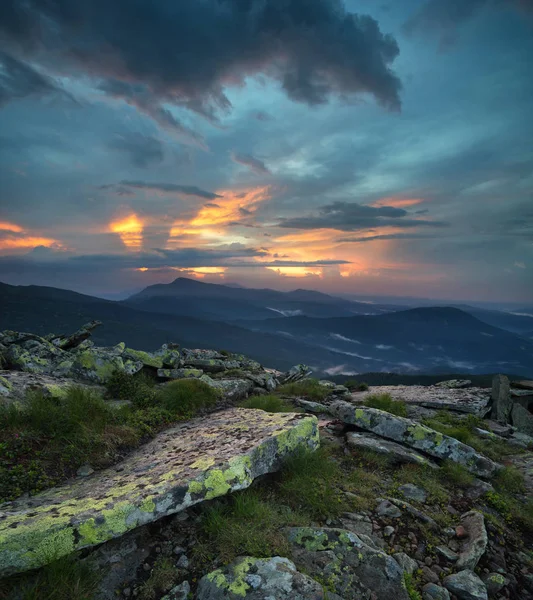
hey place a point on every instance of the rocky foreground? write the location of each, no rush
(414, 493)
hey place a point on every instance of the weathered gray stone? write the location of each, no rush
(352, 568)
(476, 541)
(296, 373)
(414, 512)
(413, 492)
(195, 461)
(408, 564)
(466, 585)
(232, 389)
(524, 384)
(501, 399)
(454, 384)
(71, 341)
(432, 591)
(494, 583)
(386, 508)
(447, 553)
(358, 524)
(251, 578)
(312, 407)
(415, 435)
(396, 452)
(211, 365)
(522, 419)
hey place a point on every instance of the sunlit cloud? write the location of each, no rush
(397, 202)
(5, 226)
(297, 271)
(14, 237)
(130, 230)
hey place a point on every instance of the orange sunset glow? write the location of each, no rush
(130, 231)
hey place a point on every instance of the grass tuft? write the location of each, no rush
(356, 386)
(185, 397)
(307, 388)
(269, 403)
(386, 403)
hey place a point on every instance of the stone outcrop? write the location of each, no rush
(466, 585)
(415, 435)
(196, 461)
(259, 579)
(512, 403)
(501, 399)
(395, 452)
(351, 565)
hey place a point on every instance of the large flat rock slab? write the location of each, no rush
(413, 434)
(195, 461)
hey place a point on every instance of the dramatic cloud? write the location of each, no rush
(19, 80)
(254, 164)
(143, 150)
(345, 216)
(187, 52)
(385, 236)
(170, 188)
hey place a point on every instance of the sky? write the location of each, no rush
(356, 146)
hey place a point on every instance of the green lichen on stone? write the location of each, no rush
(147, 359)
(56, 391)
(290, 439)
(312, 540)
(148, 506)
(497, 579)
(203, 463)
(418, 432)
(6, 383)
(195, 487)
(236, 583)
(215, 484)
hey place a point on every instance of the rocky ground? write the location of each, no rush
(407, 492)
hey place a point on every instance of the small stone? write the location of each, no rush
(476, 544)
(126, 592)
(146, 567)
(412, 537)
(460, 532)
(183, 562)
(388, 509)
(413, 492)
(447, 553)
(85, 471)
(466, 585)
(429, 576)
(432, 591)
(428, 561)
(388, 531)
(178, 550)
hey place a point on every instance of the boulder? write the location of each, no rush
(396, 452)
(148, 359)
(71, 341)
(179, 373)
(414, 512)
(195, 461)
(501, 399)
(232, 389)
(96, 365)
(259, 579)
(476, 541)
(523, 385)
(408, 564)
(415, 435)
(522, 419)
(494, 583)
(210, 365)
(352, 568)
(466, 585)
(296, 373)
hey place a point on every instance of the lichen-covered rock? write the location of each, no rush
(195, 461)
(466, 585)
(476, 541)
(259, 579)
(5, 386)
(432, 591)
(296, 373)
(32, 355)
(522, 419)
(98, 364)
(232, 389)
(346, 563)
(415, 435)
(179, 373)
(395, 452)
(502, 402)
(211, 365)
(454, 384)
(413, 492)
(148, 359)
(494, 582)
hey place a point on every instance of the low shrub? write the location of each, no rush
(386, 403)
(138, 388)
(307, 388)
(355, 386)
(269, 403)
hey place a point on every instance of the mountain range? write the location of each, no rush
(333, 335)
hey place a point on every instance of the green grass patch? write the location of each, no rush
(161, 579)
(411, 584)
(269, 403)
(44, 440)
(386, 403)
(455, 475)
(139, 388)
(307, 388)
(509, 480)
(65, 579)
(432, 480)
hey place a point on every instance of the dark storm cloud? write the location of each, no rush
(185, 190)
(187, 51)
(19, 80)
(234, 255)
(254, 164)
(350, 216)
(143, 150)
(140, 96)
(445, 16)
